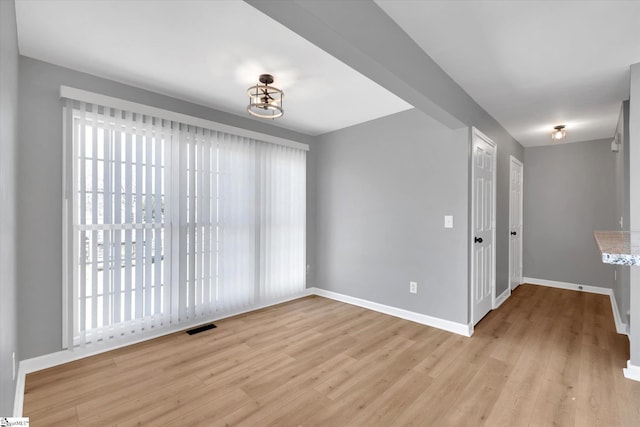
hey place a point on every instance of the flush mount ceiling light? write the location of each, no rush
(265, 101)
(558, 133)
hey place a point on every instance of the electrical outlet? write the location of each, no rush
(615, 275)
(413, 287)
(13, 364)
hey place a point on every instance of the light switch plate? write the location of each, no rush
(448, 221)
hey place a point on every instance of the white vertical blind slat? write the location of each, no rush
(174, 200)
(94, 220)
(139, 233)
(107, 219)
(197, 224)
(172, 225)
(117, 219)
(148, 217)
(81, 322)
(128, 219)
(205, 219)
(183, 221)
(157, 221)
(222, 229)
(192, 278)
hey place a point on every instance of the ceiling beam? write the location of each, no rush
(364, 37)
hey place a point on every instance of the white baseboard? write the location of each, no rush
(501, 298)
(621, 327)
(569, 286)
(447, 325)
(631, 372)
(18, 401)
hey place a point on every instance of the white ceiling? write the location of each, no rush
(530, 64)
(206, 52)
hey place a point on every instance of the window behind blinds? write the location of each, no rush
(168, 223)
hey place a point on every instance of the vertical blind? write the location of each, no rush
(167, 223)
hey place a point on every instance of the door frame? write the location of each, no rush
(475, 133)
(513, 160)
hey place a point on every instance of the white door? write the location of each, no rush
(483, 172)
(515, 223)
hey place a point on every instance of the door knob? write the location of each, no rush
(478, 239)
(513, 233)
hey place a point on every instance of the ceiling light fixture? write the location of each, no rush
(265, 101)
(559, 133)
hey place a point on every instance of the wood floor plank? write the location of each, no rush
(117, 406)
(249, 414)
(368, 368)
(58, 418)
(476, 401)
(442, 355)
(545, 357)
(523, 386)
(394, 400)
(306, 404)
(595, 399)
(435, 401)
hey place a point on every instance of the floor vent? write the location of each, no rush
(201, 329)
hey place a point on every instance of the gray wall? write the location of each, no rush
(621, 283)
(40, 189)
(8, 146)
(383, 190)
(569, 191)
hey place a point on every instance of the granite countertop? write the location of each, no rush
(619, 247)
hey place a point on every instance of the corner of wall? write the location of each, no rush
(8, 145)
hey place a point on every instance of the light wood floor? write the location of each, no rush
(546, 357)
